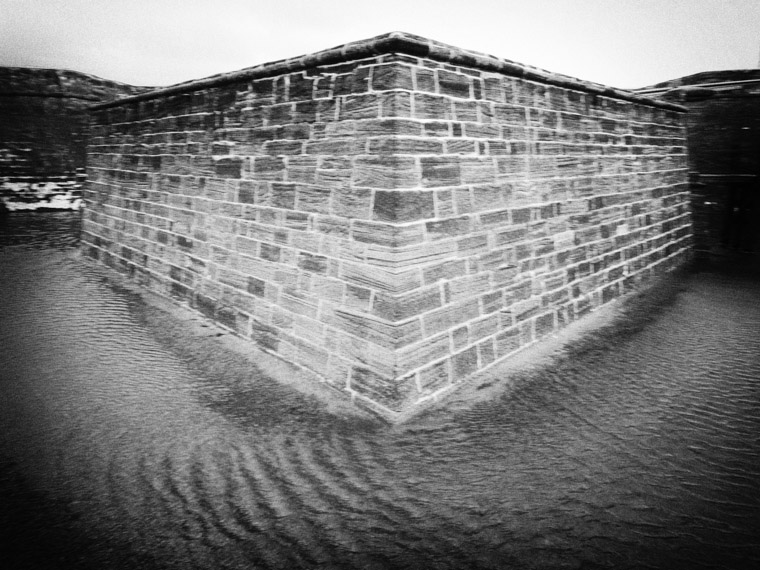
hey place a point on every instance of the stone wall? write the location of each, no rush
(723, 139)
(394, 214)
(44, 121)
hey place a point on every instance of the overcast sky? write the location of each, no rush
(623, 43)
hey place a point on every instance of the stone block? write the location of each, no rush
(284, 195)
(489, 197)
(432, 107)
(492, 301)
(229, 317)
(392, 76)
(486, 353)
(352, 203)
(440, 171)
(435, 377)
(507, 342)
(270, 252)
(205, 305)
(352, 83)
(247, 192)
(451, 227)
(282, 147)
(333, 226)
(338, 179)
(444, 270)
(363, 107)
(460, 146)
(404, 306)
(312, 263)
(440, 129)
(522, 215)
(453, 84)
(493, 89)
(405, 145)
(462, 200)
(477, 170)
(265, 336)
(450, 316)
(545, 324)
(312, 356)
(256, 286)
(300, 304)
(268, 168)
(347, 145)
(460, 338)
(468, 111)
(389, 127)
(315, 199)
(403, 206)
(385, 172)
(365, 327)
(396, 104)
(467, 287)
(380, 279)
(421, 353)
(464, 364)
(300, 87)
(381, 389)
(425, 80)
(302, 169)
(358, 297)
(386, 234)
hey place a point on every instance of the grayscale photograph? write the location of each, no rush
(353, 285)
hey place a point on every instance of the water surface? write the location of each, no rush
(122, 448)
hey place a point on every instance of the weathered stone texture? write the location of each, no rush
(397, 219)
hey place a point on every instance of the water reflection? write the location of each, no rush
(120, 447)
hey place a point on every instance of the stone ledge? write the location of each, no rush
(398, 43)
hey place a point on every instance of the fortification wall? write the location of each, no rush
(44, 121)
(395, 214)
(723, 139)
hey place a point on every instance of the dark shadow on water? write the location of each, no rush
(41, 230)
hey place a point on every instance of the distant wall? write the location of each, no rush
(44, 122)
(723, 136)
(394, 214)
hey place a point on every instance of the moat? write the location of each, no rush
(121, 448)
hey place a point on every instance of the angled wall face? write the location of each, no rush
(395, 214)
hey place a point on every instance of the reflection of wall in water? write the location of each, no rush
(723, 133)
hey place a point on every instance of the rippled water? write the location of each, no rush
(122, 448)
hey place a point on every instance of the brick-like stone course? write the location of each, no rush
(394, 214)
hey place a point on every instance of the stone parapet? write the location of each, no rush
(394, 214)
